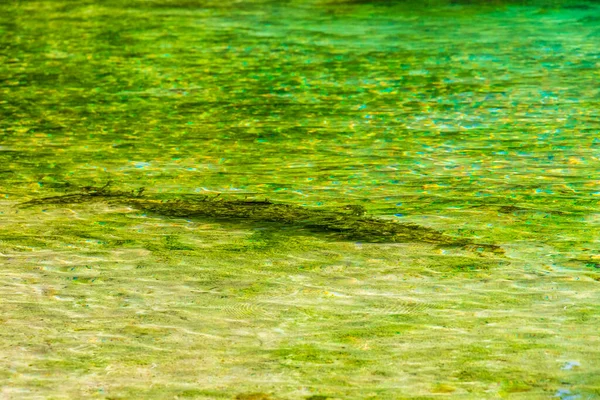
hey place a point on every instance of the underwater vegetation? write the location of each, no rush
(348, 222)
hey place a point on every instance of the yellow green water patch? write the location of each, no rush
(472, 122)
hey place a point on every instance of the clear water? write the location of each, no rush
(479, 119)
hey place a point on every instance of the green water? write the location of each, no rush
(478, 119)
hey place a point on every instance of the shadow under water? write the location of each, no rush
(348, 223)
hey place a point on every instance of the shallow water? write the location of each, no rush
(478, 120)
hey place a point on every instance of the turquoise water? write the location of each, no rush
(476, 119)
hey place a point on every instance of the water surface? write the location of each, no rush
(476, 119)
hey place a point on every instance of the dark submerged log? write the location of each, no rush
(349, 222)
